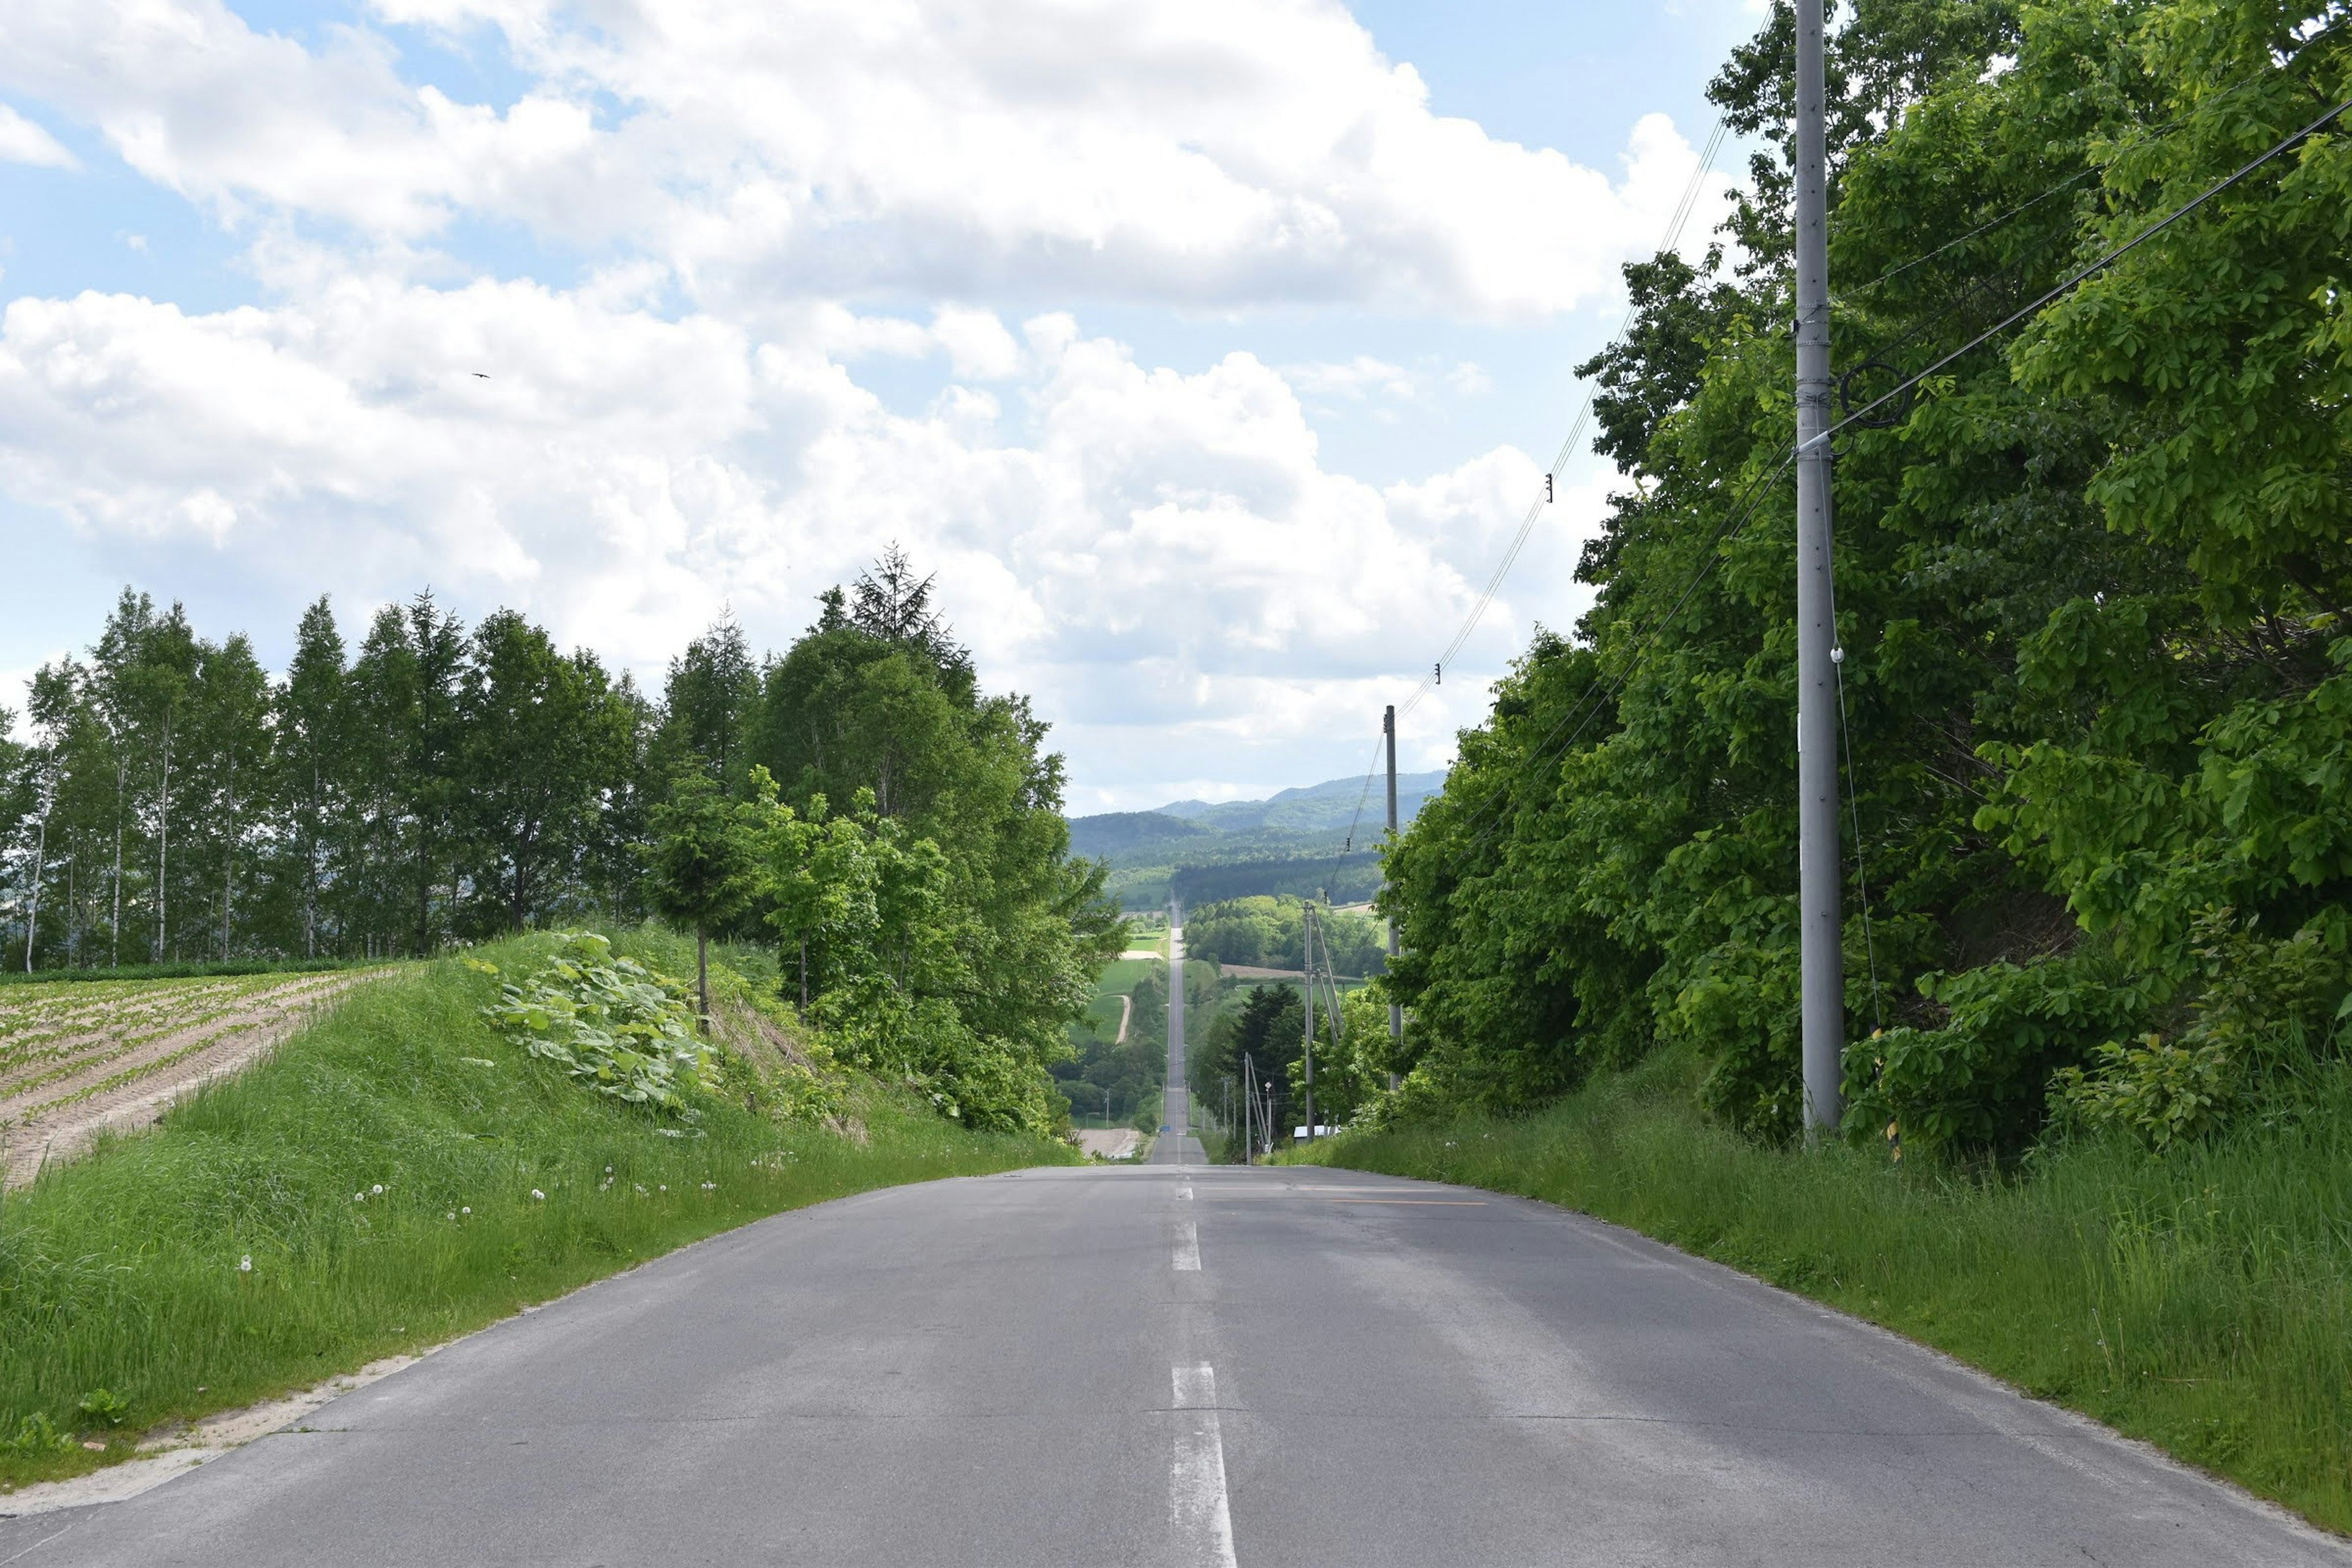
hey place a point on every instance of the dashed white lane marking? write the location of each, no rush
(1188, 1246)
(1197, 1514)
(1184, 1191)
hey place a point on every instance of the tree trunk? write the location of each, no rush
(164, 849)
(310, 877)
(228, 867)
(703, 975)
(804, 977)
(40, 860)
(114, 930)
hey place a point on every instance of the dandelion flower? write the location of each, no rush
(465, 1210)
(453, 1214)
(377, 1190)
(245, 1264)
(664, 1186)
(537, 1194)
(710, 1186)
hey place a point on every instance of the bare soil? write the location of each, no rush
(70, 1072)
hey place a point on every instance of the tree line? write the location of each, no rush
(898, 831)
(2090, 587)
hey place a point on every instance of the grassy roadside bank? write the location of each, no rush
(2200, 1303)
(394, 1174)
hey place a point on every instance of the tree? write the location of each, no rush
(705, 862)
(542, 740)
(709, 698)
(313, 724)
(228, 712)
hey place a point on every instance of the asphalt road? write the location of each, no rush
(1179, 1364)
(1178, 1145)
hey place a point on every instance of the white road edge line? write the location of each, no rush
(1188, 1246)
(1197, 1512)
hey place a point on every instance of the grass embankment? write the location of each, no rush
(2198, 1301)
(381, 1172)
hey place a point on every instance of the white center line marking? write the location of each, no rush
(1186, 1190)
(1197, 1512)
(1188, 1246)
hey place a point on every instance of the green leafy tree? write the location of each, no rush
(706, 861)
(542, 739)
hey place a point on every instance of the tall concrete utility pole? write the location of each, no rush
(1307, 953)
(1821, 959)
(1396, 1010)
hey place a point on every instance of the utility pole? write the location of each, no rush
(1249, 1096)
(1821, 959)
(1396, 1010)
(1307, 954)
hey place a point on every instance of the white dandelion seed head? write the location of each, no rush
(537, 1194)
(377, 1190)
(465, 1210)
(245, 1264)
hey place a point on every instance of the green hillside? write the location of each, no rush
(1321, 839)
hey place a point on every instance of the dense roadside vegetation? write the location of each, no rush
(2202, 1301)
(857, 799)
(2091, 586)
(449, 1143)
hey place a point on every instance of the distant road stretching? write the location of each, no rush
(1188, 1365)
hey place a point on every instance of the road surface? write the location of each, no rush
(1185, 1365)
(1178, 1145)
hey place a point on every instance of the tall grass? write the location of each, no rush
(2198, 1301)
(382, 1173)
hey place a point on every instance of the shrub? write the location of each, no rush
(625, 1029)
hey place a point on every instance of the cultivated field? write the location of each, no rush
(79, 1058)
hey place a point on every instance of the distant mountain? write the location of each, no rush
(1296, 841)
(1332, 804)
(1112, 833)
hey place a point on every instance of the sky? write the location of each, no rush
(1209, 352)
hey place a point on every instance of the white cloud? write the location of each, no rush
(1153, 548)
(772, 200)
(1201, 151)
(22, 141)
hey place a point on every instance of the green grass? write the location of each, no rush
(2199, 1302)
(191, 970)
(121, 1270)
(1122, 975)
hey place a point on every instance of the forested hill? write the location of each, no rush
(858, 798)
(1318, 837)
(2091, 580)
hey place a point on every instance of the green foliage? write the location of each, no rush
(37, 1437)
(1269, 933)
(442, 787)
(611, 1023)
(104, 1406)
(2158, 1093)
(2089, 584)
(937, 929)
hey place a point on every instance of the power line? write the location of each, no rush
(1597, 699)
(2080, 274)
(1597, 696)
(2151, 135)
(1569, 446)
